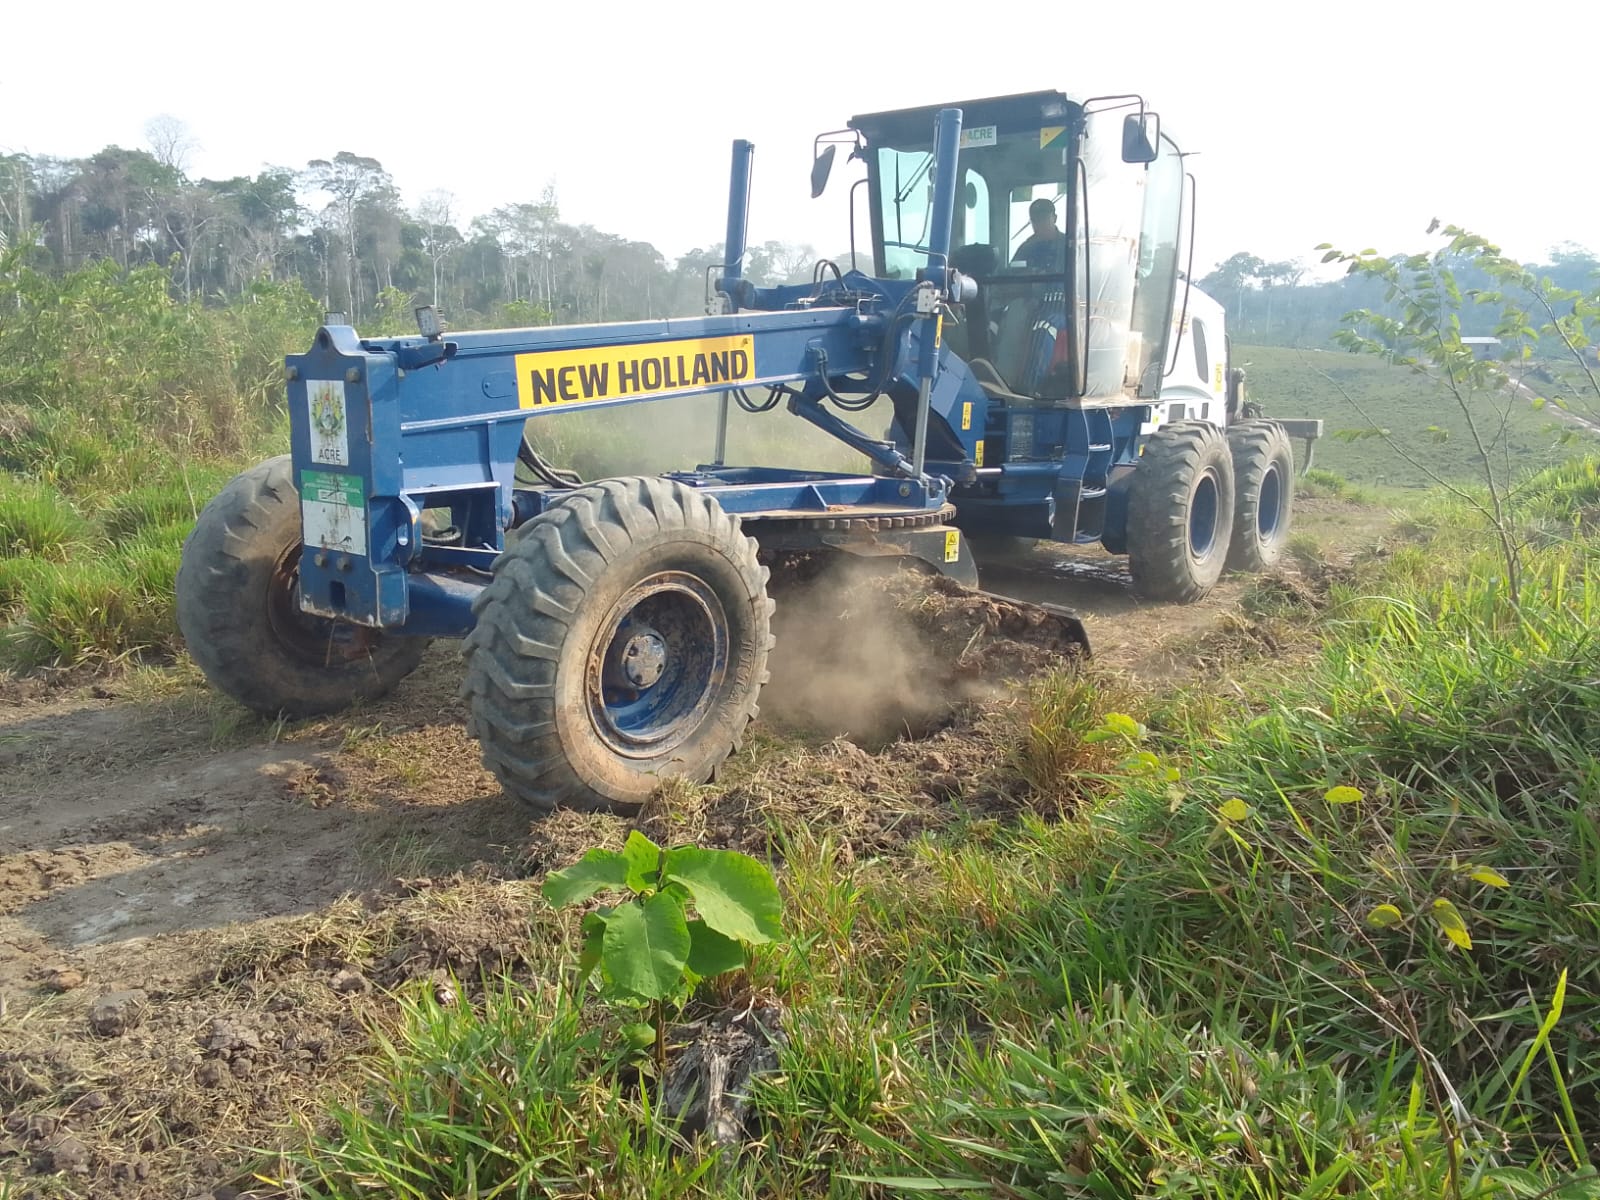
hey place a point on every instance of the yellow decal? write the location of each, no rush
(966, 415)
(952, 545)
(938, 330)
(1049, 134)
(599, 373)
(1218, 385)
(977, 454)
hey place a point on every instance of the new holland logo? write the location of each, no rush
(602, 373)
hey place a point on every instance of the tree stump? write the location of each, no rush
(707, 1083)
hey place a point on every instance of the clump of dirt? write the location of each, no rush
(878, 654)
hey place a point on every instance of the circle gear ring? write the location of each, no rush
(852, 522)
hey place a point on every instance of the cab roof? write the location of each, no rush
(1023, 111)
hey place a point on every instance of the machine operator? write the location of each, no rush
(1046, 248)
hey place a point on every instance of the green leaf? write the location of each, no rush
(1343, 794)
(639, 1035)
(594, 932)
(1489, 876)
(1141, 762)
(710, 953)
(735, 894)
(1385, 916)
(1234, 810)
(596, 871)
(646, 946)
(644, 860)
(1124, 724)
(1449, 918)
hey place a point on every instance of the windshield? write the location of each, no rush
(1002, 176)
(1009, 233)
(906, 190)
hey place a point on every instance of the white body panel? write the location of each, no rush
(1196, 388)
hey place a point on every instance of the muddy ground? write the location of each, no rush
(201, 912)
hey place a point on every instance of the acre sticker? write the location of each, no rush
(980, 135)
(333, 512)
(330, 427)
(594, 375)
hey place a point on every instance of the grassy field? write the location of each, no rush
(1324, 928)
(1352, 393)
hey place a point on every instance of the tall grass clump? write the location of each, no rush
(122, 412)
(107, 356)
(37, 521)
(513, 1095)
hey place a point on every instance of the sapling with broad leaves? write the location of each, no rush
(647, 948)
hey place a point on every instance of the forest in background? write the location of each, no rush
(341, 228)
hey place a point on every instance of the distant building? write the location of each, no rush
(1483, 347)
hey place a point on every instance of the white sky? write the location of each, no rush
(1353, 122)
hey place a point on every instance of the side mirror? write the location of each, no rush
(820, 170)
(1141, 134)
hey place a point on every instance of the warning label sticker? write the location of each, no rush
(592, 375)
(333, 512)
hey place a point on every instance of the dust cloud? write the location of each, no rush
(876, 652)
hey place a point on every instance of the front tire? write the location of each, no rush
(1263, 471)
(623, 641)
(1180, 512)
(240, 617)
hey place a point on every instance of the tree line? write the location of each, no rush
(1273, 303)
(340, 226)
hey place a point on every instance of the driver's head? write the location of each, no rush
(1043, 215)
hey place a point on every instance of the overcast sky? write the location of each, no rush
(1353, 123)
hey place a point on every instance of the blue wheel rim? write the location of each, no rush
(1204, 510)
(1269, 509)
(657, 664)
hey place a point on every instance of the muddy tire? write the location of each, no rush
(239, 617)
(623, 641)
(1263, 476)
(1180, 512)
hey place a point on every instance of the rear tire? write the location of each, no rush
(1180, 512)
(623, 641)
(238, 609)
(1263, 472)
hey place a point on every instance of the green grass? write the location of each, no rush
(91, 577)
(1177, 986)
(37, 521)
(1292, 383)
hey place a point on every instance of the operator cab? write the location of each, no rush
(1067, 216)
